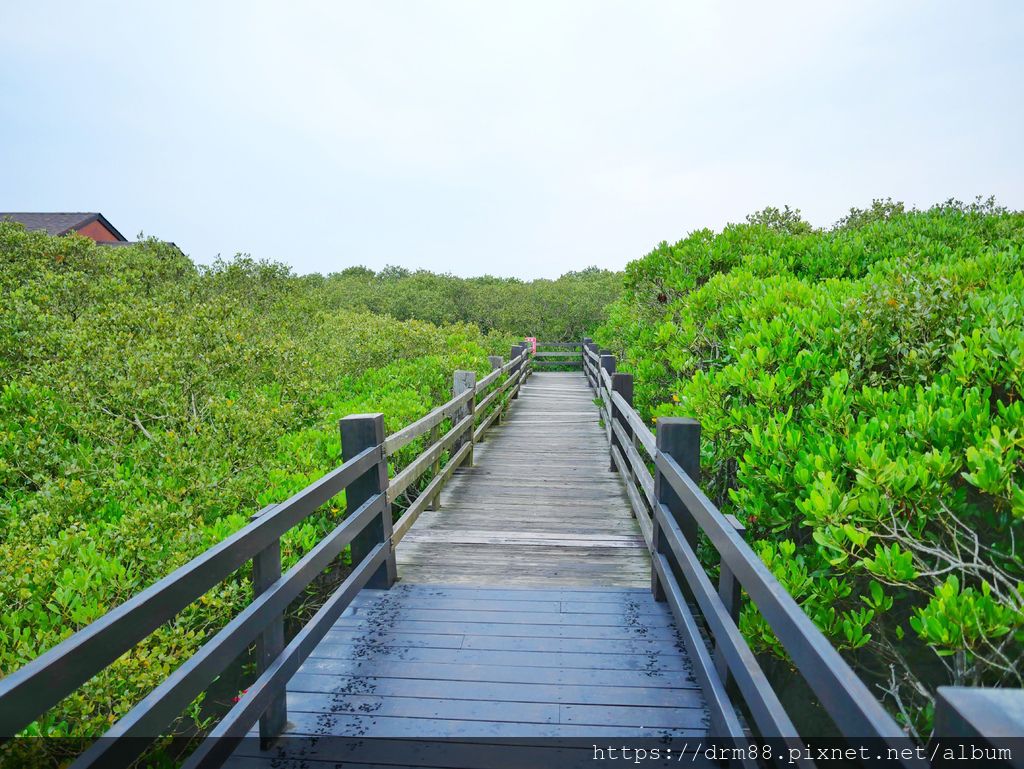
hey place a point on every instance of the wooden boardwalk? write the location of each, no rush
(523, 609)
(540, 506)
(528, 622)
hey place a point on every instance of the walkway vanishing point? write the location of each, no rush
(522, 609)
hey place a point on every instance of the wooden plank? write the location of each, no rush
(519, 630)
(486, 401)
(369, 638)
(421, 600)
(463, 575)
(595, 646)
(468, 577)
(551, 539)
(666, 664)
(618, 715)
(423, 707)
(640, 430)
(519, 711)
(486, 489)
(614, 619)
(594, 594)
(585, 694)
(555, 602)
(644, 679)
(486, 424)
(316, 724)
(488, 380)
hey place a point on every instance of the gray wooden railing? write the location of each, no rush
(661, 472)
(368, 528)
(560, 354)
(989, 719)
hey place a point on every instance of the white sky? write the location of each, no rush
(524, 138)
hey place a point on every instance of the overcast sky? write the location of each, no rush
(513, 138)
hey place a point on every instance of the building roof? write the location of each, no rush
(60, 223)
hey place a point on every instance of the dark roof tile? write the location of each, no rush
(59, 223)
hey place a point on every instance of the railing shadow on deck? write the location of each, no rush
(368, 528)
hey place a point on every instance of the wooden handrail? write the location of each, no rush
(42, 683)
(486, 411)
(573, 345)
(39, 685)
(217, 747)
(486, 382)
(419, 465)
(843, 694)
(668, 503)
(407, 434)
(124, 741)
(403, 524)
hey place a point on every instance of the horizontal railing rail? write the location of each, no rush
(660, 473)
(564, 355)
(471, 415)
(368, 529)
(46, 680)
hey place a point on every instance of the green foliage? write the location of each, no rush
(568, 308)
(787, 220)
(147, 408)
(860, 392)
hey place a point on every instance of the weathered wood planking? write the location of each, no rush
(433, 661)
(540, 507)
(523, 610)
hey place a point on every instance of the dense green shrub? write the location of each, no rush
(567, 308)
(147, 408)
(860, 393)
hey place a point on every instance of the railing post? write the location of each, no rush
(266, 570)
(496, 362)
(607, 364)
(463, 382)
(979, 717)
(517, 350)
(729, 592)
(583, 354)
(358, 433)
(679, 438)
(623, 385)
